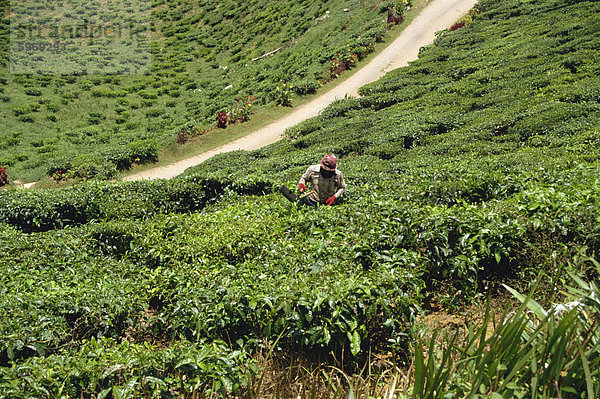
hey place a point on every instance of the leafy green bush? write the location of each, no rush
(105, 367)
(33, 92)
(136, 152)
(306, 86)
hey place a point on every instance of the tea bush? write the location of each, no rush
(106, 367)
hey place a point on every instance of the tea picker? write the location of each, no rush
(326, 183)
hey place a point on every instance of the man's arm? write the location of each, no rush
(306, 176)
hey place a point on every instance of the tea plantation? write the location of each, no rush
(94, 105)
(475, 166)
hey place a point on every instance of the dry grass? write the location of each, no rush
(324, 375)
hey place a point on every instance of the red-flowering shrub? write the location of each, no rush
(222, 120)
(345, 59)
(182, 137)
(394, 17)
(467, 20)
(458, 25)
(3, 177)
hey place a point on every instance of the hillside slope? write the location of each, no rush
(437, 16)
(477, 164)
(102, 102)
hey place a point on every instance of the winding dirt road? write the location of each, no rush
(438, 15)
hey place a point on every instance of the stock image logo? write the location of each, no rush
(79, 37)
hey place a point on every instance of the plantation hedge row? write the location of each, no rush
(198, 285)
(44, 210)
(109, 368)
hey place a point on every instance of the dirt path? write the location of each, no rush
(438, 15)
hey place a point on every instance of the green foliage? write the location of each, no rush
(474, 165)
(106, 165)
(44, 210)
(305, 86)
(107, 368)
(282, 95)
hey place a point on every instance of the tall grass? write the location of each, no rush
(532, 352)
